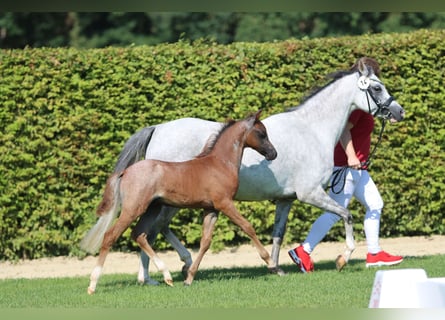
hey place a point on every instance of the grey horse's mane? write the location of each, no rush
(370, 63)
(333, 77)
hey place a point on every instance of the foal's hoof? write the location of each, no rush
(340, 262)
(277, 270)
(169, 282)
(188, 281)
(90, 291)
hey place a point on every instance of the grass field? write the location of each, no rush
(214, 288)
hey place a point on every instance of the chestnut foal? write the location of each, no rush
(209, 181)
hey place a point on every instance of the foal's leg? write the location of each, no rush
(166, 216)
(110, 238)
(147, 224)
(141, 239)
(155, 220)
(229, 209)
(208, 226)
(183, 253)
(140, 236)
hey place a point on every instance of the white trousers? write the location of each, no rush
(358, 183)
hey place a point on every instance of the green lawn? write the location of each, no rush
(214, 288)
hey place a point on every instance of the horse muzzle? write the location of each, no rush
(390, 110)
(270, 154)
(395, 112)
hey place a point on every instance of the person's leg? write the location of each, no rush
(323, 224)
(367, 193)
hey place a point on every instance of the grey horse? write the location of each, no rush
(304, 137)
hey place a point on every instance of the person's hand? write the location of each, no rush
(354, 162)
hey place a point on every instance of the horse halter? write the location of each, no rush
(364, 83)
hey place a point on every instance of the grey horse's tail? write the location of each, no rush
(134, 149)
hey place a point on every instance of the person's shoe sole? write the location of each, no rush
(296, 260)
(382, 263)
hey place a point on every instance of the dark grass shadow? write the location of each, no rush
(215, 274)
(327, 265)
(354, 265)
(111, 282)
(233, 273)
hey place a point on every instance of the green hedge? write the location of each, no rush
(66, 113)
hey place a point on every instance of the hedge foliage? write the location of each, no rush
(66, 113)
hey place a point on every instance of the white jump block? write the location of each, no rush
(407, 288)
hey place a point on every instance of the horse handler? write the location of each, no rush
(351, 160)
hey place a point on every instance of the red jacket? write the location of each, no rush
(363, 125)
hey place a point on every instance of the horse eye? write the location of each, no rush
(261, 135)
(377, 88)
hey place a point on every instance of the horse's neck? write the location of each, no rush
(328, 111)
(230, 145)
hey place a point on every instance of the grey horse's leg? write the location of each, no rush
(161, 224)
(144, 275)
(279, 229)
(319, 198)
(146, 225)
(183, 253)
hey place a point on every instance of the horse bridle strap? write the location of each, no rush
(339, 175)
(364, 84)
(368, 161)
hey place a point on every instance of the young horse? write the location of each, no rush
(209, 181)
(304, 137)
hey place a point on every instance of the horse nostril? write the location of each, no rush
(273, 155)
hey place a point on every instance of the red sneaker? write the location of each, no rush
(382, 258)
(301, 259)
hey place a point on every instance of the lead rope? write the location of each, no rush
(367, 163)
(339, 175)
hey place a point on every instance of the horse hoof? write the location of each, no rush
(90, 291)
(169, 282)
(185, 271)
(281, 272)
(277, 270)
(150, 282)
(340, 262)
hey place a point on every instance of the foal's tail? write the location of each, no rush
(134, 149)
(107, 212)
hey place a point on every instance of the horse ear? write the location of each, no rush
(363, 68)
(257, 115)
(253, 118)
(367, 66)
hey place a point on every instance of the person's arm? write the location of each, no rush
(348, 146)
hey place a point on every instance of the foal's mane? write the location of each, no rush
(210, 144)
